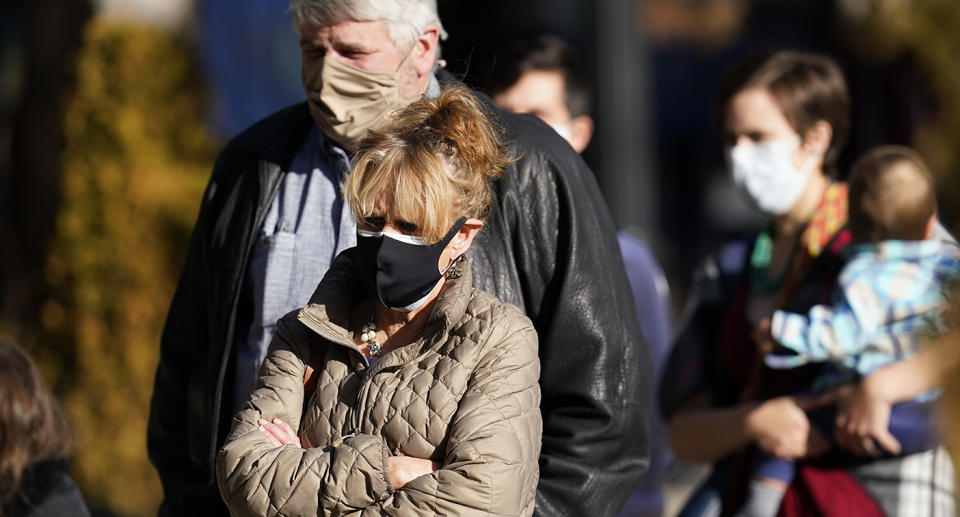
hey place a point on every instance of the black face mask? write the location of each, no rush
(397, 269)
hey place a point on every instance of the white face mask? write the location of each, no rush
(766, 172)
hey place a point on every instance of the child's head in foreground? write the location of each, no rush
(892, 196)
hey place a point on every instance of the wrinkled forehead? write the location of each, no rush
(405, 19)
(310, 17)
(328, 12)
(353, 32)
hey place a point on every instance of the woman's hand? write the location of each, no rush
(780, 428)
(278, 432)
(863, 419)
(762, 338)
(404, 469)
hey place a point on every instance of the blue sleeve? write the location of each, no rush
(827, 333)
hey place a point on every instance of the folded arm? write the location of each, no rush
(491, 458)
(490, 466)
(258, 478)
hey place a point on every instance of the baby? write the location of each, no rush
(890, 296)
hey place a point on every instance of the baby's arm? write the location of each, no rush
(826, 333)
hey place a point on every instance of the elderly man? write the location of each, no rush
(273, 218)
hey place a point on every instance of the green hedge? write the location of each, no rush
(135, 164)
(927, 31)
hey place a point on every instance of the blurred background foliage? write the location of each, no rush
(929, 32)
(137, 150)
(136, 160)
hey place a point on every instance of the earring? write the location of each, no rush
(455, 272)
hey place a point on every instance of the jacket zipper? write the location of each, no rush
(360, 402)
(354, 412)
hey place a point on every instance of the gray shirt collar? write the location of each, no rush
(433, 87)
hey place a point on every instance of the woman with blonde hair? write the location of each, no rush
(35, 444)
(399, 389)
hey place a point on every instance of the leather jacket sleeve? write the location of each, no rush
(570, 279)
(167, 442)
(185, 343)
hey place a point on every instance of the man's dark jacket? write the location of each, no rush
(549, 248)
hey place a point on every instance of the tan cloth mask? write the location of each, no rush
(346, 101)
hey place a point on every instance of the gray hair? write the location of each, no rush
(406, 19)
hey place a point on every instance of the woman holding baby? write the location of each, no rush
(785, 118)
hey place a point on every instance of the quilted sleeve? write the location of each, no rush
(491, 465)
(259, 479)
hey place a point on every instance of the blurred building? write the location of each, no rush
(251, 60)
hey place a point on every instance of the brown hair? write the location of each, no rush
(430, 164)
(546, 53)
(892, 195)
(32, 426)
(807, 87)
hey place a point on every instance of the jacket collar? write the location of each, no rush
(328, 313)
(453, 300)
(278, 137)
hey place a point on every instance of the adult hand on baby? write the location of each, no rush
(278, 432)
(762, 338)
(863, 419)
(780, 428)
(404, 469)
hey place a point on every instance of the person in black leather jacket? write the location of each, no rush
(549, 248)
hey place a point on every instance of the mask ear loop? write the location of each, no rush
(811, 160)
(450, 272)
(406, 57)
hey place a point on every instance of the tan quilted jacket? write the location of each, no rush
(465, 395)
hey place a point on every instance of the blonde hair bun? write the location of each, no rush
(430, 163)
